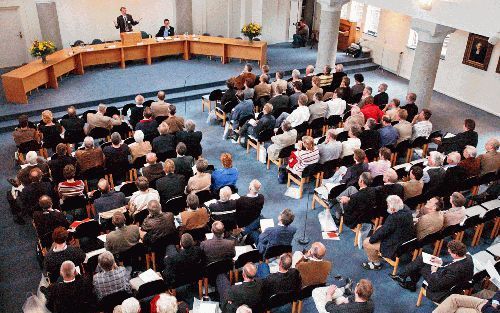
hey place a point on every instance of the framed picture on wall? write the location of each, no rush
(498, 66)
(478, 52)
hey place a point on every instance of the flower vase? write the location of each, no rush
(44, 59)
(250, 40)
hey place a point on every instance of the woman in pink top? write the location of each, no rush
(307, 154)
(379, 167)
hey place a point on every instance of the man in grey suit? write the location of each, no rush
(100, 120)
(218, 248)
(288, 138)
(319, 108)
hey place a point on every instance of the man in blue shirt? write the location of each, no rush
(282, 234)
(388, 134)
(166, 30)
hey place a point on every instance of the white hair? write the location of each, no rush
(139, 136)
(471, 151)
(255, 186)
(101, 108)
(339, 68)
(67, 269)
(139, 99)
(296, 73)
(391, 175)
(131, 305)
(225, 194)
(31, 157)
(166, 304)
(454, 157)
(88, 142)
(394, 203)
(243, 309)
(437, 158)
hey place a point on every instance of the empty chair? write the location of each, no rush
(96, 42)
(78, 43)
(275, 251)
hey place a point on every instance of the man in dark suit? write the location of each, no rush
(148, 125)
(282, 234)
(73, 294)
(47, 220)
(172, 184)
(28, 198)
(358, 206)
(137, 111)
(382, 98)
(250, 292)
(166, 30)
(440, 279)
(124, 22)
(217, 248)
(73, 127)
(454, 176)
(307, 80)
(253, 127)
(410, 106)
(183, 163)
(390, 187)
(434, 172)
(397, 229)
(460, 141)
(286, 279)
(185, 266)
(337, 76)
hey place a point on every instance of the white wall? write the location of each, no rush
(29, 21)
(477, 16)
(468, 84)
(89, 19)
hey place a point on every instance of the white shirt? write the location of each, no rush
(422, 129)
(140, 199)
(299, 116)
(349, 145)
(335, 107)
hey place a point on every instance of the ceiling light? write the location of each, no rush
(425, 4)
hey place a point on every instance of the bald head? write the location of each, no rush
(103, 185)
(218, 229)
(249, 271)
(67, 270)
(318, 250)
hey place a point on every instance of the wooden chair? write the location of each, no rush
(276, 251)
(283, 155)
(280, 299)
(222, 115)
(313, 170)
(253, 256)
(305, 293)
(215, 268)
(206, 101)
(402, 249)
(256, 143)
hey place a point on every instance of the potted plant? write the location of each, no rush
(42, 49)
(251, 30)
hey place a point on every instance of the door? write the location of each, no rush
(12, 43)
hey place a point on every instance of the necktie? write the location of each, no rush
(126, 24)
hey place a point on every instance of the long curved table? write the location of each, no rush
(24, 79)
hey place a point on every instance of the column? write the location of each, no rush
(426, 61)
(183, 16)
(328, 31)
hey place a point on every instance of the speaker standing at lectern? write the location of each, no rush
(125, 21)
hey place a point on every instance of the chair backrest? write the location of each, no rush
(93, 173)
(108, 303)
(151, 288)
(330, 167)
(413, 202)
(160, 119)
(134, 256)
(371, 154)
(204, 196)
(334, 120)
(406, 247)
(306, 291)
(275, 251)
(347, 161)
(72, 203)
(215, 95)
(434, 134)
(28, 146)
(253, 256)
(317, 123)
(419, 142)
(175, 204)
(218, 267)
(487, 178)
(302, 128)
(128, 189)
(265, 135)
(342, 136)
(148, 103)
(87, 229)
(112, 110)
(139, 162)
(335, 191)
(311, 170)
(96, 42)
(99, 132)
(378, 181)
(285, 152)
(281, 298)
(140, 216)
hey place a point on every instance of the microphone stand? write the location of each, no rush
(305, 240)
(185, 99)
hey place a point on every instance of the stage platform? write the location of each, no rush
(182, 80)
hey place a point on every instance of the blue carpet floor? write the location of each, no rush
(19, 272)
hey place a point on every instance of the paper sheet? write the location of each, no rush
(242, 249)
(149, 276)
(102, 238)
(265, 223)
(209, 236)
(426, 257)
(493, 273)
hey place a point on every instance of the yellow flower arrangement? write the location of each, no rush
(42, 48)
(251, 30)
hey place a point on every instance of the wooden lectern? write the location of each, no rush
(347, 34)
(130, 38)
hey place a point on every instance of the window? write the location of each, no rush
(413, 40)
(372, 20)
(356, 14)
(344, 11)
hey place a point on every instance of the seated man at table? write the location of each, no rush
(440, 279)
(166, 30)
(282, 234)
